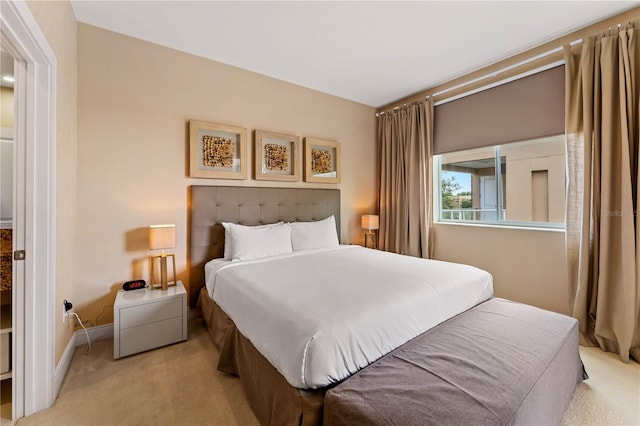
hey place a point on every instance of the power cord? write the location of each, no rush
(86, 352)
(103, 309)
(85, 322)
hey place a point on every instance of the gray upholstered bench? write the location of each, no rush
(500, 363)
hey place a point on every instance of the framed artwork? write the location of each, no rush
(217, 151)
(277, 156)
(321, 161)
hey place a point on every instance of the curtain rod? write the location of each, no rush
(520, 63)
(510, 73)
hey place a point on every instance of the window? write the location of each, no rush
(521, 184)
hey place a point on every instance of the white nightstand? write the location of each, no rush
(147, 319)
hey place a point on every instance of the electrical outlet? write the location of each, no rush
(67, 310)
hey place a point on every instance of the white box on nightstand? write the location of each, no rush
(147, 319)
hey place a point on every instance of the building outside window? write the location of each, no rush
(519, 184)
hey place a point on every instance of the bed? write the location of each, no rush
(320, 315)
(289, 355)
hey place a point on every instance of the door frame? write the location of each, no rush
(33, 312)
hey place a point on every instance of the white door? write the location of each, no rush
(488, 198)
(33, 312)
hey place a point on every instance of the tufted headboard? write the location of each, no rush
(209, 206)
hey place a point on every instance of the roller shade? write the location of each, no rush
(528, 108)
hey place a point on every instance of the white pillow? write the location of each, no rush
(314, 235)
(227, 236)
(254, 242)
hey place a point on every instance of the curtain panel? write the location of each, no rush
(405, 141)
(602, 237)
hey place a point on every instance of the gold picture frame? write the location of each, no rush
(321, 161)
(217, 151)
(277, 156)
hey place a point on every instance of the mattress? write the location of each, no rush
(500, 363)
(320, 316)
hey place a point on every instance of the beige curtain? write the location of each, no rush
(603, 235)
(405, 140)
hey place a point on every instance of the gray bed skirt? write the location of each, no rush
(500, 363)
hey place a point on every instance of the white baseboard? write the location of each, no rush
(100, 332)
(78, 338)
(63, 365)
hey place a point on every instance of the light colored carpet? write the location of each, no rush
(174, 385)
(179, 385)
(611, 396)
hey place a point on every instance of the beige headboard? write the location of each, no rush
(209, 206)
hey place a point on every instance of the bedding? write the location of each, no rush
(314, 235)
(209, 206)
(229, 235)
(319, 316)
(252, 242)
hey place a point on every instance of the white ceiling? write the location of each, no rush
(368, 52)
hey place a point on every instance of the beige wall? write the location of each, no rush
(527, 265)
(6, 107)
(135, 100)
(58, 23)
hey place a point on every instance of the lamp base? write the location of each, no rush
(370, 240)
(158, 286)
(164, 282)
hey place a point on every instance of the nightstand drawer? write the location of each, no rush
(149, 336)
(146, 319)
(151, 312)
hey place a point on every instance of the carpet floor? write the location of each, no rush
(179, 385)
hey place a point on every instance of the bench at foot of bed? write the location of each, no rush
(500, 363)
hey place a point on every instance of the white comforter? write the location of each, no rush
(320, 316)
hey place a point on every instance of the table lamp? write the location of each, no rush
(370, 222)
(162, 237)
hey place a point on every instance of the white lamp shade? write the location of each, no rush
(370, 221)
(162, 237)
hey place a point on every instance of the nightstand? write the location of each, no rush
(147, 319)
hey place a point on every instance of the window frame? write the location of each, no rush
(437, 204)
